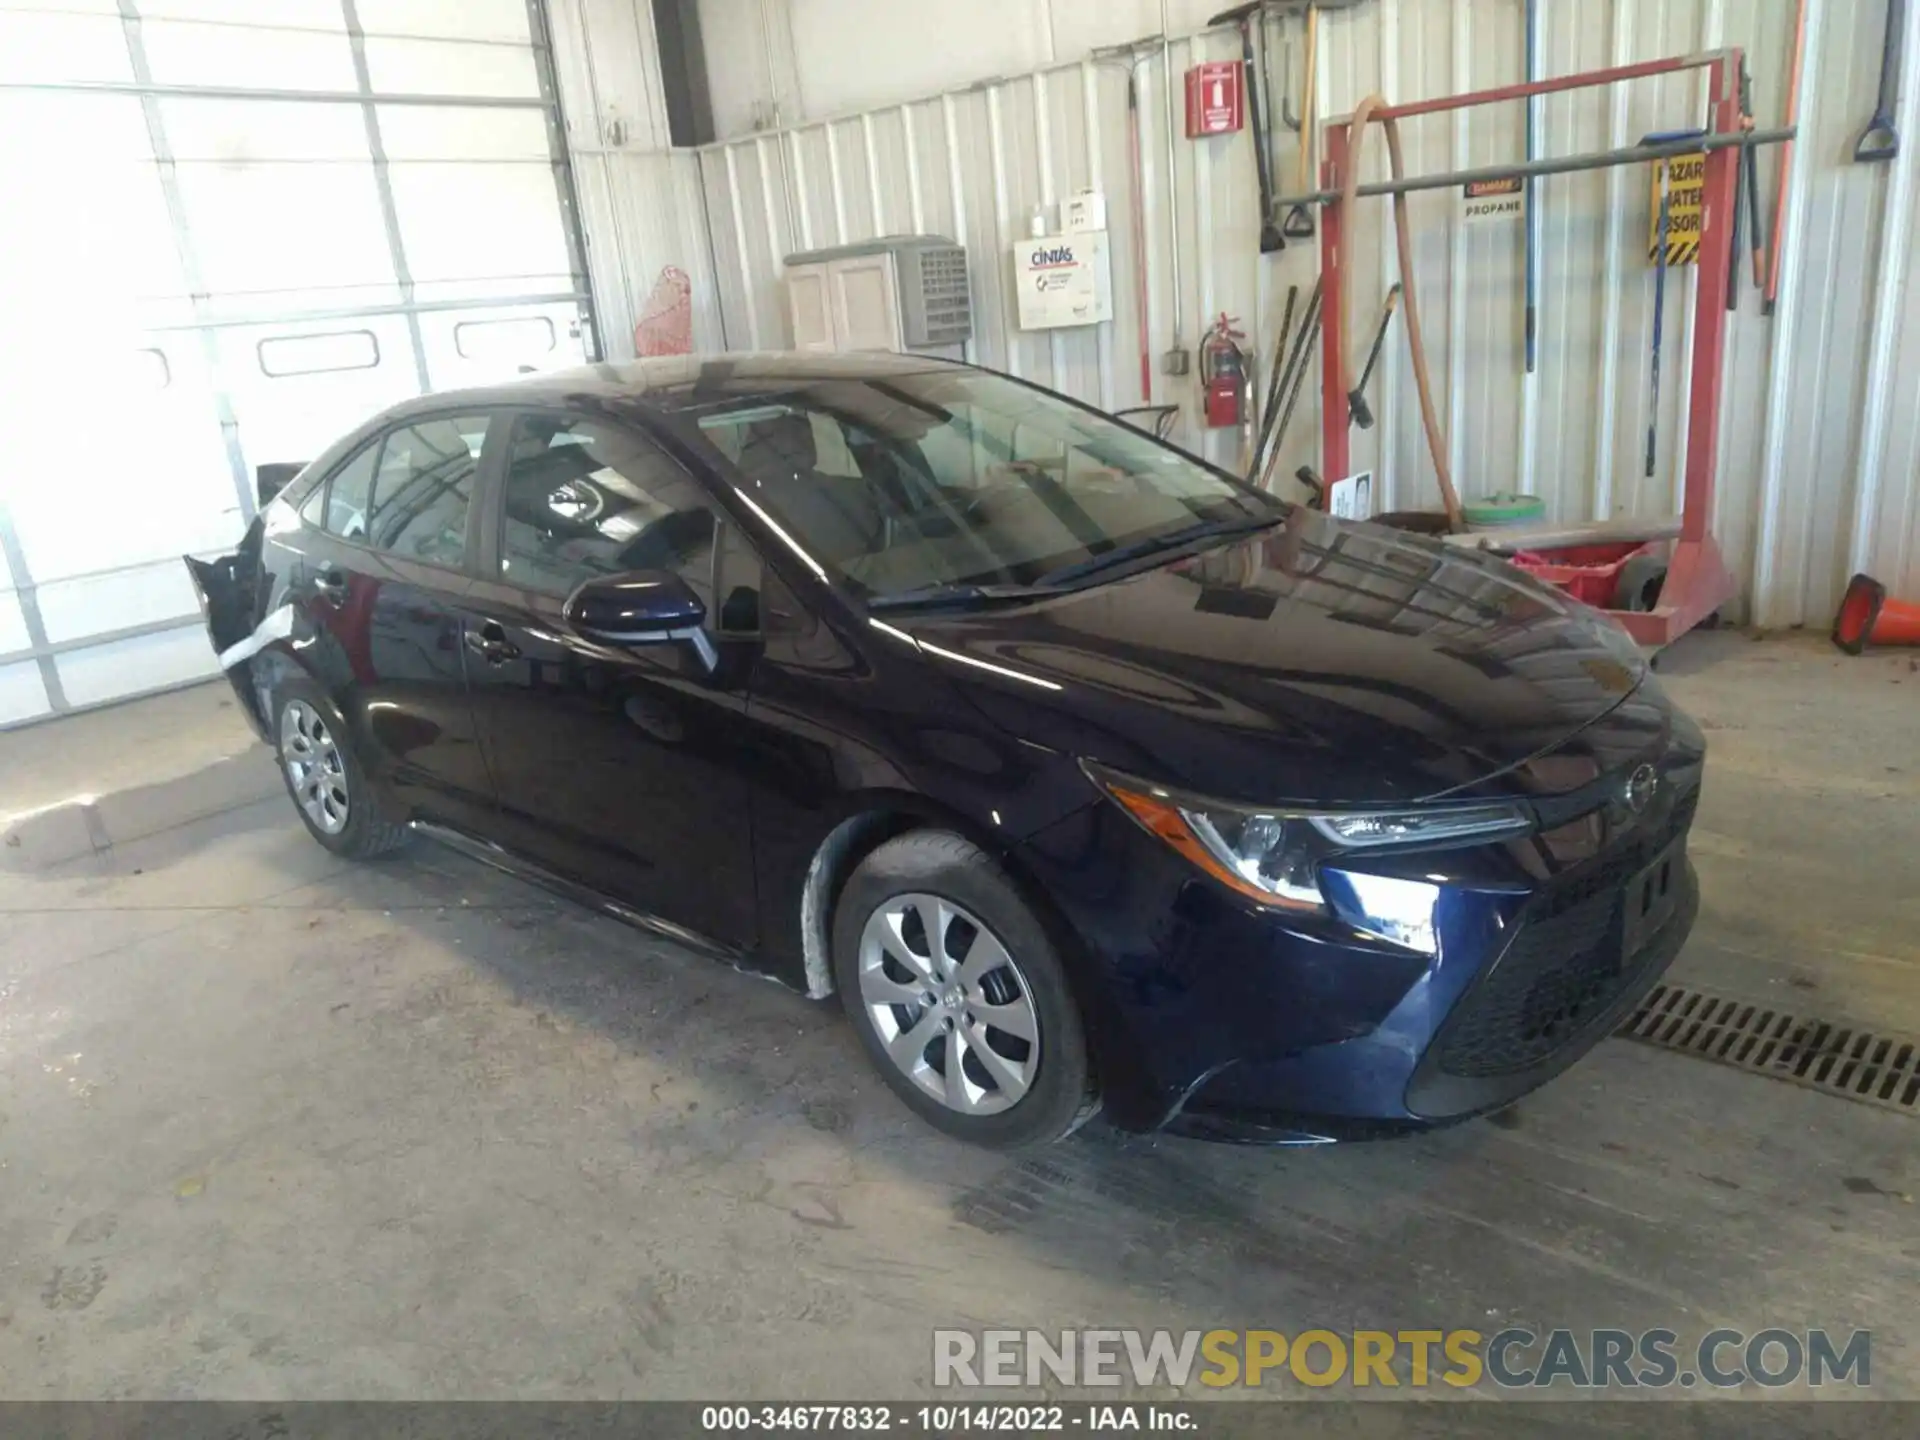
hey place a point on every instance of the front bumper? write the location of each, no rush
(1216, 1017)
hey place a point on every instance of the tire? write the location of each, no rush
(1012, 1091)
(1641, 580)
(324, 779)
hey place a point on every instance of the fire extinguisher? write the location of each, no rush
(1223, 374)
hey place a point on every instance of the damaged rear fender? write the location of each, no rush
(241, 622)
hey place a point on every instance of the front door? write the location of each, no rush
(625, 768)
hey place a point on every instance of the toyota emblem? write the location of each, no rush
(1640, 789)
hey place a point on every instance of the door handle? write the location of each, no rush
(331, 584)
(490, 643)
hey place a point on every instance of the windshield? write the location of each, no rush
(906, 484)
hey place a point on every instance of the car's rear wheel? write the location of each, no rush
(328, 788)
(958, 994)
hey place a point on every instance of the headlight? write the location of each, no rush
(1363, 829)
(1274, 856)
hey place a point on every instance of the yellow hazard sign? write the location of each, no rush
(1682, 179)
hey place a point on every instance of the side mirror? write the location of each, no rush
(270, 480)
(641, 607)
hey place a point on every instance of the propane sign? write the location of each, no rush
(1063, 280)
(1214, 99)
(1485, 201)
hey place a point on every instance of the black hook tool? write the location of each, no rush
(1746, 180)
(1880, 140)
(1357, 408)
(1298, 224)
(1242, 15)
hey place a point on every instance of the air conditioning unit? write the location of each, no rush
(899, 292)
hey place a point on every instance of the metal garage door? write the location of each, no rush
(229, 230)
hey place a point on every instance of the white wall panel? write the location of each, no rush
(246, 240)
(151, 466)
(23, 696)
(242, 278)
(1820, 444)
(129, 667)
(188, 53)
(442, 67)
(13, 625)
(488, 345)
(41, 47)
(239, 132)
(299, 14)
(114, 243)
(460, 221)
(498, 20)
(448, 132)
(293, 417)
(93, 604)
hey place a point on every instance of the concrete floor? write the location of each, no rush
(274, 1126)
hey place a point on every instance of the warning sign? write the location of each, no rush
(1493, 199)
(1683, 181)
(1352, 498)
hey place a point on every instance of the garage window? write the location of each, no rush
(503, 339)
(290, 355)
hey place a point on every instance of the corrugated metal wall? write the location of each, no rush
(640, 202)
(1822, 429)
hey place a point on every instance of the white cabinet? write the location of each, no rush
(895, 293)
(865, 295)
(846, 305)
(812, 313)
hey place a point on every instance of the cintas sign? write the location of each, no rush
(1063, 280)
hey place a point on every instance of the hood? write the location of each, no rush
(1319, 662)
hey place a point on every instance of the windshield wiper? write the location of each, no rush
(934, 596)
(1155, 544)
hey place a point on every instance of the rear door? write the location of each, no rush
(627, 769)
(380, 564)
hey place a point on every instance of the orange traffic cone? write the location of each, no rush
(1867, 617)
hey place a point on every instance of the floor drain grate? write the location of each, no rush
(1843, 1060)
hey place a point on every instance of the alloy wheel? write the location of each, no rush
(950, 1006)
(314, 766)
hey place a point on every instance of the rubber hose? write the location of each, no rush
(1429, 417)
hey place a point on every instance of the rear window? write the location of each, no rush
(407, 492)
(339, 506)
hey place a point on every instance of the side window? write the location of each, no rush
(339, 506)
(586, 499)
(422, 488)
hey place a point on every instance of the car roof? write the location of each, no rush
(664, 384)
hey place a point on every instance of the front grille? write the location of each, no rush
(1564, 965)
(1606, 874)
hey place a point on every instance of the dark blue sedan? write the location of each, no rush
(1086, 775)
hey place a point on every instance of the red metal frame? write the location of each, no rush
(1698, 582)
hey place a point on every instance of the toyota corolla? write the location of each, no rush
(1086, 776)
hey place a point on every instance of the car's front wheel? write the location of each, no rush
(324, 780)
(958, 994)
